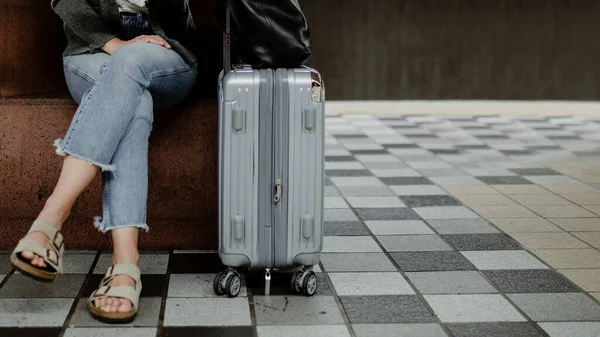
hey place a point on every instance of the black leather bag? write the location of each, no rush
(268, 33)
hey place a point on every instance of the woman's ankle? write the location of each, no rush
(54, 212)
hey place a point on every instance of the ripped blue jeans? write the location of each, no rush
(117, 95)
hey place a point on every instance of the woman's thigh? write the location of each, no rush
(170, 78)
(82, 72)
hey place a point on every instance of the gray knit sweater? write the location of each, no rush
(89, 24)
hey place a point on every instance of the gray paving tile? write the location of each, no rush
(350, 244)
(570, 329)
(386, 309)
(530, 281)
(344, 228)
(557, 307)
(307, 330)
(371, 283)
(296, 310)
(20, 286)
(462, 226)
(413, 243)
(482, 242)
(493, 329)
(498, 259)
(148, 312)
(207, 312)
(402, 227)
(149, 263)
(399, 330)
(335, 202)
(431, 261)
(31, 312)
(331, 191)
(356, 262)
(553, 179)
(339, 214)
(110, 332)
(445, 212)
(365, 191)
(451, 282)
(473, 308)
(398, 213)
(509, 180)
(430, 200)
(194, 285)
(2, 277)
(401, 181)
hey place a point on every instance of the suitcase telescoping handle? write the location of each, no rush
(227, 39)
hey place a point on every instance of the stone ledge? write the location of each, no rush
(182, 207)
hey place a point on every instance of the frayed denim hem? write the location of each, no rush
(102, 227)
(60, 150)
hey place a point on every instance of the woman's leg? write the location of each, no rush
(81, 73)
(125, 192)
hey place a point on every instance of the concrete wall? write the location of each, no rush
(457, 49)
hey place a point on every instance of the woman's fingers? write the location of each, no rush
(153, 39)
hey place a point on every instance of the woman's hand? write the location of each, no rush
(113, 45)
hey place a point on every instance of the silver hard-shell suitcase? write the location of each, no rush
(271, 167)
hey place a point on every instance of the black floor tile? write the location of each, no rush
(401, 146)
(344, 228)
(386, 309)
(152, 285)
(515, 152)
(530, 281)
(195, 263)
(348, 173)
(508, 180)
(399, 181)
(207, 332)
(493, 329)
(367, 152)
(470, 242)
(444, 151)
(536, 172)
(430, 200)
(339, 158)
(399, 213)
(281, 284)
(30, 332)
(432, 261)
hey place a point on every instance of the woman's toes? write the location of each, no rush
(101, 303)
(28, 255)
(125, 306)
(115, 306)
(109, 302)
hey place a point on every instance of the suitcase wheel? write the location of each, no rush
(309, 285)
(219, 283)
(227, 283)
(304, 282)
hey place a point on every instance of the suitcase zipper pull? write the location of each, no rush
(268, 282)
(277, 191)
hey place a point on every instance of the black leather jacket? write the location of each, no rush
(89, 24)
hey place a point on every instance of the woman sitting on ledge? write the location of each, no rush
(123, 59)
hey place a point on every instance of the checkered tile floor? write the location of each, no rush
(435, 226)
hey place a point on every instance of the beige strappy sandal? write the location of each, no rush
(52, 257)
(124, 292)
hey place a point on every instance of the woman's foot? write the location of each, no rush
(115, 304)
(53, 215)
(116, 299)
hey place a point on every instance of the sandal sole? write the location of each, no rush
(111, 317)
(31, 271)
